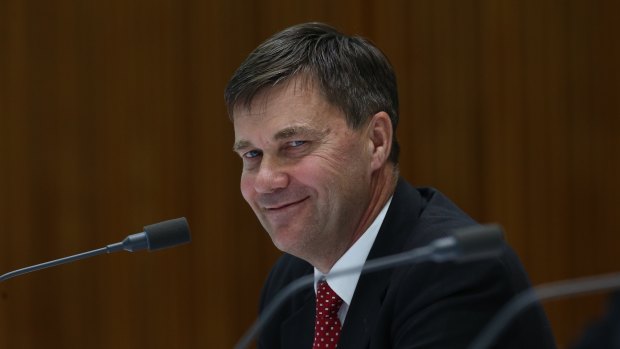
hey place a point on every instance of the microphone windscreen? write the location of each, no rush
(479, 242)
(167, 233)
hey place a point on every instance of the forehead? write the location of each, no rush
(293, 103)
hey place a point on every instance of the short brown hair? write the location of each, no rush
(352, 73)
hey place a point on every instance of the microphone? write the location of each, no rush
(541, 293)
(464, 245)
(154, 237)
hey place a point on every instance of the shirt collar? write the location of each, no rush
(356, 255)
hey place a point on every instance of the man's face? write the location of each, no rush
(306, 174)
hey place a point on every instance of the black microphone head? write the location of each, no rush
(479, 242)
(167, 233)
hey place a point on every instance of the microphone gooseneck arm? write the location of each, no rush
(553, 290)
(466, 244)
(54, 263)
(306, 281)
(155, 236)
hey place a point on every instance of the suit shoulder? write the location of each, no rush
(287, 269)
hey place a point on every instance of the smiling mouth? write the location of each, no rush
(276, 208)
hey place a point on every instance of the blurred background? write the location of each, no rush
(112, 117)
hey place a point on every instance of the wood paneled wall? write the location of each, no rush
(112, 117)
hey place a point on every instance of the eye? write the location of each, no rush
(295, 144)
(251, 154)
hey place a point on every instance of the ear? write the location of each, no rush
(380, 135)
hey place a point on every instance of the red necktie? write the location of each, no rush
(327, 325)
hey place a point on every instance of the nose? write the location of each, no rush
(271, 176)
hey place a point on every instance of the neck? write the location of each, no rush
(382, 186)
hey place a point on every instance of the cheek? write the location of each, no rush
(346, 161)
(247, 188)
(323, 174)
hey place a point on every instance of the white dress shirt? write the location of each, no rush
(356, 255)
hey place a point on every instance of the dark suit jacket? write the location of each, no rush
(425, 305)
(606, 332)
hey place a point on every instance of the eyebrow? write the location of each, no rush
(285, 133)
(293, 131)
(241, 144)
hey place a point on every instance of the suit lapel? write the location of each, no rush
(298, 330)
(371, 289)
(362, 314)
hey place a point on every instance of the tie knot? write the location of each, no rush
(327, 301)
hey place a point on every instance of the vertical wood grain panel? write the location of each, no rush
(112, 117)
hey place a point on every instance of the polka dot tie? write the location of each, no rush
(327, 325)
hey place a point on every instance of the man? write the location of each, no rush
(315, 114)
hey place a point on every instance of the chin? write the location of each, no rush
(283, 245)
(285, 242)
